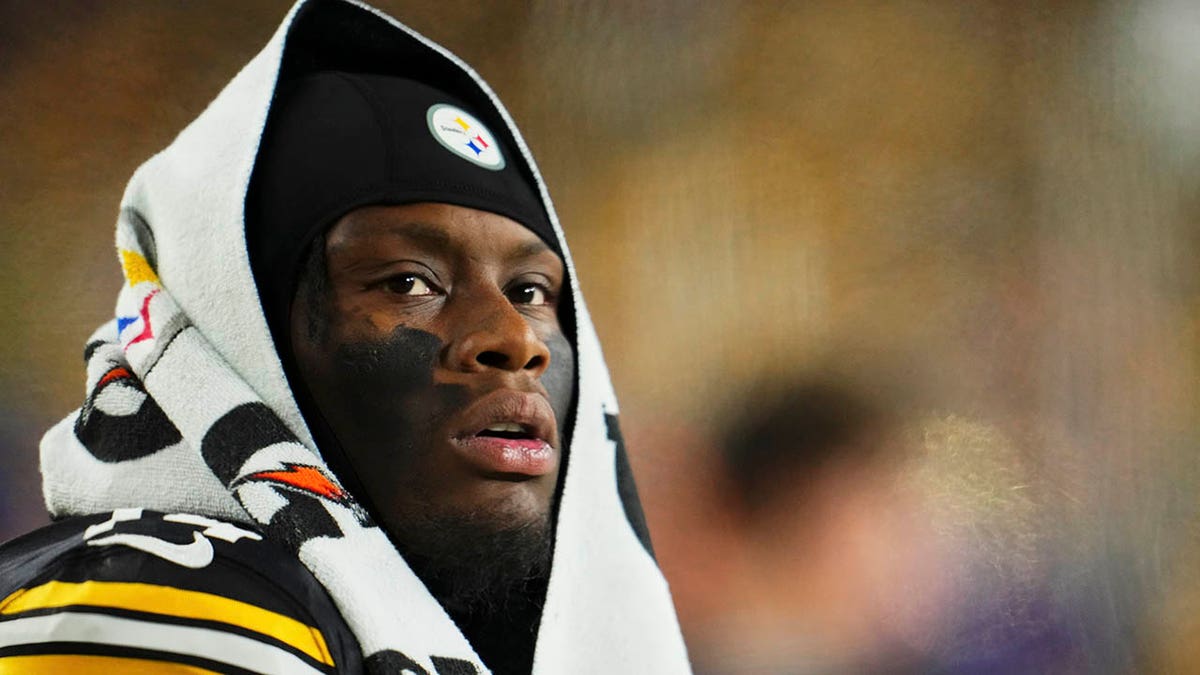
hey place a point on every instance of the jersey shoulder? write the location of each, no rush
(136, 589)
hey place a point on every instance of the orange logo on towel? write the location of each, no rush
(305, 478)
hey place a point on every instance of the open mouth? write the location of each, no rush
(509, 434)
(510, 450)
(509, 430)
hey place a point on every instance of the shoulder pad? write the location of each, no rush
(180, 587)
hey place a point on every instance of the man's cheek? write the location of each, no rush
(401, 361)
(559, 378)
(386, 386)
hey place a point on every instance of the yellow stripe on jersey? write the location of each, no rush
(57, 664)
(175, 602)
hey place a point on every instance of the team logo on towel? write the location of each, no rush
(302, 478)
(119, 421)
(465, 136)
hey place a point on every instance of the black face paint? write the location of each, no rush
(388, 414)
(559, 381)
(387, 403)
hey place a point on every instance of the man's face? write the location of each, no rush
(436, 356)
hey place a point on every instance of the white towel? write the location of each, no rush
(188, 406)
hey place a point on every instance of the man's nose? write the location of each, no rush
(495, 335)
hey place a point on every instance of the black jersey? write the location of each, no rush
(140, 591)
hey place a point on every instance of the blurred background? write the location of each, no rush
(901, 299)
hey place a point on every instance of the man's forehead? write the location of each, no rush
(433, 226)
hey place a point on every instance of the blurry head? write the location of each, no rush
(412, 284)
(777, 455)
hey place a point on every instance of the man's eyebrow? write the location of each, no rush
(528, 249)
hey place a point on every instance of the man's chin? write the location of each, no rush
(474, 563)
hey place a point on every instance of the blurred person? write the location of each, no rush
(831, 543)
(351, 414)
(843, 530)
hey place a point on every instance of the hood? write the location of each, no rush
(189, 362)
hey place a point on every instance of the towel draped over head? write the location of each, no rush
(188, 398)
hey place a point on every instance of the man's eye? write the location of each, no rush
(529, 294)
(409, 284)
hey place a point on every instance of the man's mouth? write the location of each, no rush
(510, 430)
(510, 435)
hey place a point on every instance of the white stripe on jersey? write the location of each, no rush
(102, 629)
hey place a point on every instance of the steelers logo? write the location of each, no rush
(459, 132)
